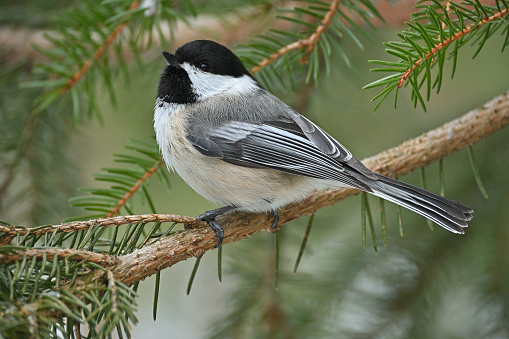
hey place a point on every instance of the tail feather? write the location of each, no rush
(447, 213)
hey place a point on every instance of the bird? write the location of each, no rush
(238, 145)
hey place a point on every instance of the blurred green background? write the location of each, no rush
(427, 284)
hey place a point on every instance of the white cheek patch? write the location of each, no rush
(206, 85)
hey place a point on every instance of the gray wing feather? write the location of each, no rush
(263, 145)
(321, 139)
(328, 144)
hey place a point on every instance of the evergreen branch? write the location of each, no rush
(11, 231)
(124, 182)
(308, 43)
(98, 53)
(70, 294)
(100, 29)
(446, 42)
(434, 30)
(16, 254)
(278, 57)
(135, 188)
(421, 151)
(78, 55)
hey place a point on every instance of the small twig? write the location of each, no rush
(104, 260)
(439, 46)
(103, 222)
(98, 53)
(135, 188)
(303, 43)
(113, 290)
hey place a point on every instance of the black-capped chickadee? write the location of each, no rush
(238, 145)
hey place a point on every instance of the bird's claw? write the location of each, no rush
(275, 214)
(210, 218)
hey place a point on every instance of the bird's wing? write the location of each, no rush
(328, 144)
(278, 145)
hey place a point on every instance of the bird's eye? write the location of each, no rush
(204, 66)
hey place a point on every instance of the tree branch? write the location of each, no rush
(439, 46)
(307, 43)
(11, 230)
(104, 260)
(121, 203)
(98, 53)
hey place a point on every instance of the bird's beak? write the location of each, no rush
(170, 59)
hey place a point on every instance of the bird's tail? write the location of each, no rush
(447, 213)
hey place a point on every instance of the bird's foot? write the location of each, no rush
(275, 214)
(210, 218)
